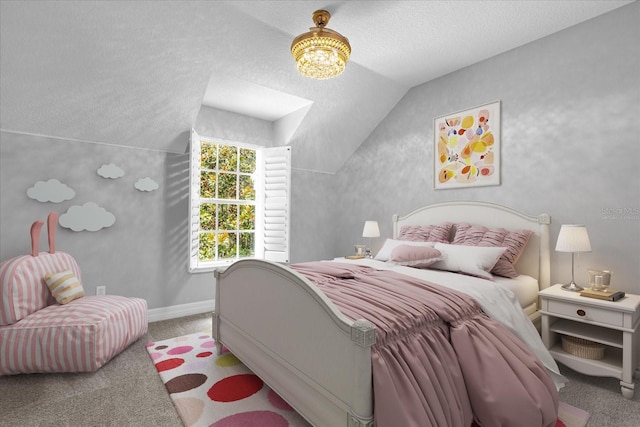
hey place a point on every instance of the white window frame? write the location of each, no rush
(273, 194)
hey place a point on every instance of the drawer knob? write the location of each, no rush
(581, 312)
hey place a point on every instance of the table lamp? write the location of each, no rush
(370, 230)
(573, 238)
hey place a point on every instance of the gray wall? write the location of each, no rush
(570, 105)
(569, 147)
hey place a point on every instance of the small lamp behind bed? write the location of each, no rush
(573, 238)
(370, 230)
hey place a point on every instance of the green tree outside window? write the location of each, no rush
(227, 208)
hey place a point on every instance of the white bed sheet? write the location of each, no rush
(525, 288)
(495, 298)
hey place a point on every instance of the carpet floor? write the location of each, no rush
(128, 391)
(219, 391)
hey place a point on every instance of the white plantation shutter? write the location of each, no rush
(194, 200)
(272, 229)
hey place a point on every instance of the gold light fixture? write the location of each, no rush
(321, 53)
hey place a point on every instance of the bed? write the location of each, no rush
(289, 332)
(534, 263)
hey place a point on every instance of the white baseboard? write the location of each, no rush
(171, 312)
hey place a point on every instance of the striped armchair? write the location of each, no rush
(38, 334)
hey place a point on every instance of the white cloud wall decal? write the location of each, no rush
(89, 217)
(110, 171)
(51, 191)
(146, 184)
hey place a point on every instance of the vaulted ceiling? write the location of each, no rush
(136, 73)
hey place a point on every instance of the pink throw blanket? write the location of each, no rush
(438, 359)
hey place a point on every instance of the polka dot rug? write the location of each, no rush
(219, 391)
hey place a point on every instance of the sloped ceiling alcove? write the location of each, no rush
(137, 73)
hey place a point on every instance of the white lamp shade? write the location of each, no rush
(371, 229)
(573, 238)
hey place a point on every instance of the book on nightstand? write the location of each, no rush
(610, 295)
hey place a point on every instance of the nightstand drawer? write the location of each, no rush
(586, 313)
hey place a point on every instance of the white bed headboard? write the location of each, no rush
(534, 261)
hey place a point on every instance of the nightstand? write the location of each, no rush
(613, 324)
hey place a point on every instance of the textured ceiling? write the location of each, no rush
(137, 73)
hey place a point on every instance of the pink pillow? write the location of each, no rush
(427, 233)
(514, 240)
(390, 244)
(414, 256)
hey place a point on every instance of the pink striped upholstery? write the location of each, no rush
(22, 287)
(80, 336)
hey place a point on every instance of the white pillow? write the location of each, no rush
(391, 244)
(473, 260)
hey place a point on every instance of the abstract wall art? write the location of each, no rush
(467, 148)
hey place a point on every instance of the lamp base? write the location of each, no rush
(572, 287)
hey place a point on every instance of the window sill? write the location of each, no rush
(213, 266)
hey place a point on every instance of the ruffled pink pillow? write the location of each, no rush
(427, 233)
(514, 240)
(414, 256)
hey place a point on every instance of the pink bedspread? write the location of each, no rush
(438, 359)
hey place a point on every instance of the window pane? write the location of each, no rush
(246, 244)
(207, 185)
(247, 160)
(227, 217)
(228, 158)
(227, 178)
(247, 217)
(208, 155)
(227, 186)
(226, 245)
(207, 247)
(207, 216)
(247, 188)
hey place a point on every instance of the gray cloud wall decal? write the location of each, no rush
(110, 171)
(52, 191)
(89, 217)
(146, 184)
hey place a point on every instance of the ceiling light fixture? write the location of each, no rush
(321, 53)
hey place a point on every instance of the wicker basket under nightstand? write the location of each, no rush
(583, 348)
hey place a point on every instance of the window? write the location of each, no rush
(239, 203)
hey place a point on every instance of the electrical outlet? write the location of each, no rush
(101, 290)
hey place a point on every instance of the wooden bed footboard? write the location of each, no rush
(293, 337)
